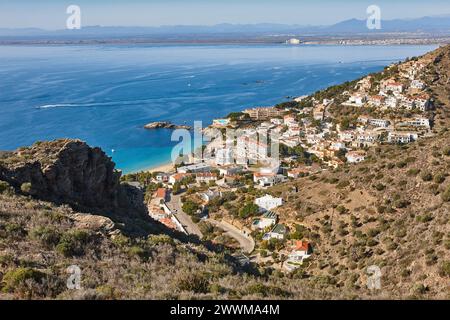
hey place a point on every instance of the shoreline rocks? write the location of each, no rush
(165, 125)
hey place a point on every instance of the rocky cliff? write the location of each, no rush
(70, 172)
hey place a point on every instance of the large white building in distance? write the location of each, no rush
(293, 41)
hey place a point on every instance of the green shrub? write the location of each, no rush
(160, 239)
(121, 241)
(446, 194)
(14, 230)
(4, 186)
(18, 281)
(380, 186)
(47, 236)
(249, 210)
(400, 203)
(26, 187)
(413, 172)
(72, 243)
(401, 164)
(343, 184)
(447, 151)
(424, 218)
(445, 269)
(426, 176)
(138, 252)
(342, 210)
(264, 290)
(439, 178)
(190, 207)
(195, 281)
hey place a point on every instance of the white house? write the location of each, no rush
(367, 138)
(423, 102)
(357, 99)
(391, 102)
(377, 100)
(347, 136)
(267, 179)
(162, 177)
(177, 177)
(279, 231)
(230, 170)
(402, 137)
(301, 250)
(205, 177)
(288, 119)
(268, 202)
(417, 84)
(379, 123)
(276, 121)
(417, 122)
(408, 103)
(356, 156)
(209, 195)
(194, 168)
(391, 85)
(268, 219)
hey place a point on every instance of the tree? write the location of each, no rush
(249, 210)
(345, 123)
(176, 189)
(341, 155)
(190, 207)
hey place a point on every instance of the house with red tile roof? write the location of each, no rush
(161, 194)
(206, 177)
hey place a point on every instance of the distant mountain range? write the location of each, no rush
(435, 25)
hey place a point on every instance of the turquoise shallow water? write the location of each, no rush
(105, 94)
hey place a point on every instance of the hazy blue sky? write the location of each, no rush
(51, 14)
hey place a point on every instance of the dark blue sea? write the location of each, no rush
(105, 94)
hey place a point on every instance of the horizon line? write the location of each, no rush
(446, 15)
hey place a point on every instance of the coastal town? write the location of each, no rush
(226, 196)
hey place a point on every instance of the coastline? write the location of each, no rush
(166, 167)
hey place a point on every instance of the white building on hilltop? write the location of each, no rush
(268, 202)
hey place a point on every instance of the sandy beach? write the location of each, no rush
(167, 167)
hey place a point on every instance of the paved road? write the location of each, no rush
(175, 206)
(246, 243)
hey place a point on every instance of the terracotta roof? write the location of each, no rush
(168, 223)
(423, 96)
(179, 176)
(301, 245)
(161, 193)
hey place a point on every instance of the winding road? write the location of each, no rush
(175, 206)
(246, 243)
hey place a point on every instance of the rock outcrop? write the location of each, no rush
(70, 172)
(165, 125)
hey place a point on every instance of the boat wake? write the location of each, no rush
(71, 105)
